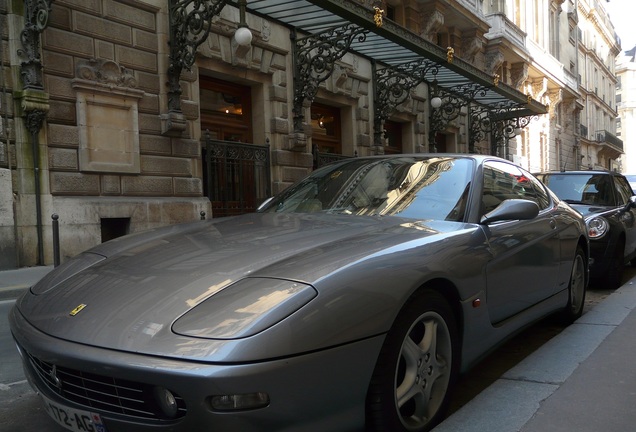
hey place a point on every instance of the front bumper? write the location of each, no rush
(318, 391)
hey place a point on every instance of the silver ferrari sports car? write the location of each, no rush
(350, 301)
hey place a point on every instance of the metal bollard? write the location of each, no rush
(202, 215)
(56, 240)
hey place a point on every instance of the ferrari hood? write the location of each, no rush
(125, 293)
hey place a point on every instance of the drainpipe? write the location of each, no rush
(34, 102)
(34, 124)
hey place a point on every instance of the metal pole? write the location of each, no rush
(56, 239)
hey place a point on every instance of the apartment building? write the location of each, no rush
(626, 103)
(598, 48)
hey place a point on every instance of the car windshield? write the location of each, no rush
(592, 189)
(419, 188)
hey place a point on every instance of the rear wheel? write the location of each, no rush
(416, 368)
(577, 288)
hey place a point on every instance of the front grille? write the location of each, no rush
(102, 393)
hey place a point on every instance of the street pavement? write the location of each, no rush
(14, 282)
(583, 379)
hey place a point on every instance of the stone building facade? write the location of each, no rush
(123, 148)
(626, 103)
(598, 49)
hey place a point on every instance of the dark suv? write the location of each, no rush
(608, 204)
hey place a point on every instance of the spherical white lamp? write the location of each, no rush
(436, 102)
(243, 36)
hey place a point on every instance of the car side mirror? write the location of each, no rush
(632, 201)
(512, 209)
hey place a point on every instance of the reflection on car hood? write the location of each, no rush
(593, 210)
(148, 280)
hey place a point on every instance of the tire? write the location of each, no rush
(576, 288)
(416, 369)
(614, 276)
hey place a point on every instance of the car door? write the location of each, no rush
(628, 218)
(524, 267)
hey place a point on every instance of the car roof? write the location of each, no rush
(477, 157)
(579, 172)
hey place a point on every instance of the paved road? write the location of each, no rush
(20, 408)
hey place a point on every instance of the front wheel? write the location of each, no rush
(416, 368)
(576, 288)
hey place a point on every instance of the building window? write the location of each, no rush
(112, 228)
(517, 14)
(325, 126)
(390, 12)
(393, 135)
(225, 110)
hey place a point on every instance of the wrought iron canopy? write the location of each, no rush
(392, 45)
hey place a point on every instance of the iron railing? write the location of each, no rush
(236, 176)
(604, 136)
(321, 158)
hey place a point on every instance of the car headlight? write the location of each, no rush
(244, 308)
(597, 227)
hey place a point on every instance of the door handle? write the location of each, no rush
(552, 224)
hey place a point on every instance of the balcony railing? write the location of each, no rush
(502, 27)
(603, 136)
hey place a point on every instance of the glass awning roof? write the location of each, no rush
(391, 45)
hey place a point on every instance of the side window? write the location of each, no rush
(540, 195)
(506, 181)
(623, 190)
(500, 183)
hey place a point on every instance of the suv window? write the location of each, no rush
(623, 190)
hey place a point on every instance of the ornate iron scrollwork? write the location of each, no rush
(452, 102)
(393, 85)
(315, 57)
(492, 121)
(190, 24)
(36, 18)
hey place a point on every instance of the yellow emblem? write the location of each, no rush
(77, 310)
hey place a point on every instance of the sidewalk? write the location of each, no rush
(581, 380)
(14, 282)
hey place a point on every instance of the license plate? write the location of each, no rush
(73, 419)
